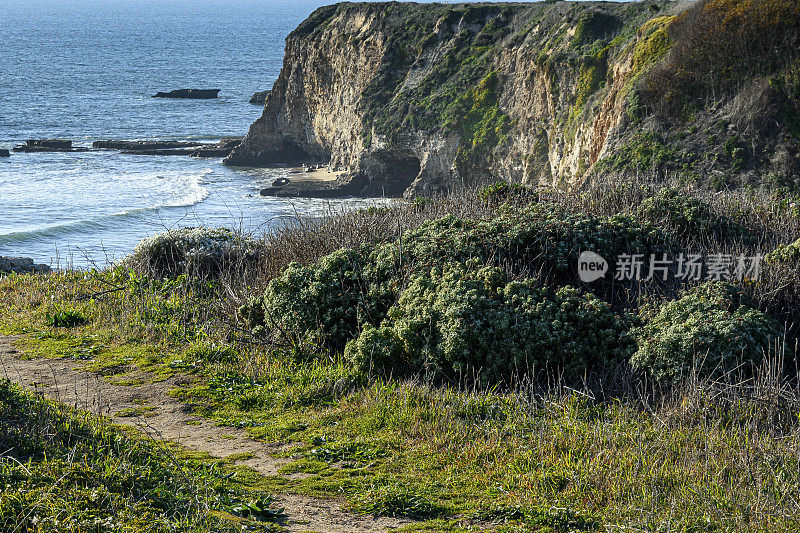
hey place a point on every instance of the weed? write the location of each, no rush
(65, 319)
(398, 500)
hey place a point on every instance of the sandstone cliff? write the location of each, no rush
(417, 98)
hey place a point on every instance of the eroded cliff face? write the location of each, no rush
(415, 99)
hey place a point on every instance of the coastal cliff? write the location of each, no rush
(418, 98)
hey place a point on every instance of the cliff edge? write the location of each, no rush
(418, 98)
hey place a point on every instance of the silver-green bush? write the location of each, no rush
(324, 304)
(711, 330)
(204, 251)
(456, 320)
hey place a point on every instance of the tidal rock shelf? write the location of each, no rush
(319, 182)
(307, 189)
(48, 145)
(134, 146)
(191, 148)
(222, 148)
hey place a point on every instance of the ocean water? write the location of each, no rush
(86, 70)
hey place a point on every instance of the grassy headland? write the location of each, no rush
(441, 360)
(68, 471)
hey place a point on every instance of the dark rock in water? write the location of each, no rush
(285, 153)
(192, 94)
(280, 182)
(47, 145)
(161, 151)
(21, 265)
(222, 148)
(259, 98)
(4, 153)
(348, 185)
(53, 144)
(140, 146)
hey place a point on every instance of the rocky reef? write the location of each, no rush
(21, 265)
(222, 148)
(48, 145)
(418, 98)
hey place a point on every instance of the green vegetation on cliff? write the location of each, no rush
(452, 54)
(66, 471)
(442, 361)
(477, 117)
(541, 93)
(715, 89)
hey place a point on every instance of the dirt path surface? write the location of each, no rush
(169, 419)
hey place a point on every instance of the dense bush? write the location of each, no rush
(204, 251)
(541, 237)
(327, 303)
(688, 217)
(787, 254)
(551, 238)
(712, 330)
(502, 191)
(460, 321)
(438, 300)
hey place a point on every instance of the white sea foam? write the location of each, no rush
(193, 192)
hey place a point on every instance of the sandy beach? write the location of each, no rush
(299, 175)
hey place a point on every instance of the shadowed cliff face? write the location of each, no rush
(415, 99)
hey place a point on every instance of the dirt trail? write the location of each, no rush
(60, 380)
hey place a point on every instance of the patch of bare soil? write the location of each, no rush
(164, 418)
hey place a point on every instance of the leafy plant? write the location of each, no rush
(457, 321)
(710, 330)
(259, 509)
(65, 318)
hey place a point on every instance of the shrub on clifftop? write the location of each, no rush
(456, 320)
(204, 251)
(712, 329)
(324, 304)
(328, 304)
(688, 217)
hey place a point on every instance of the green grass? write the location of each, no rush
(622, 452)
(66, 471)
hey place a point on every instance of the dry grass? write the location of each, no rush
(618, 451)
